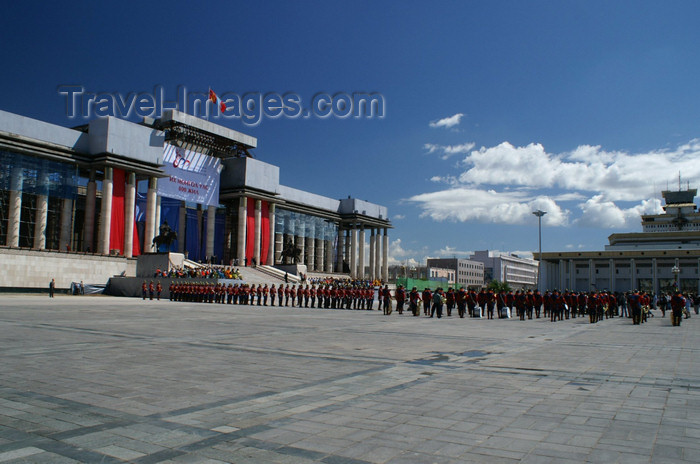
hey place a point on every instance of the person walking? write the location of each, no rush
(52, 287)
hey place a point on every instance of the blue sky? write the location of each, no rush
(585, 109)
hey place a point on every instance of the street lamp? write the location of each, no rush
(676, 271)
(539, 214)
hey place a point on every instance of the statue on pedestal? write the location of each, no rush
(166, 236)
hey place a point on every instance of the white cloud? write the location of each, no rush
(450, 252)
(448, 150)
(398, 217)
(619, 176)
(504, 184)
(468, 204)
(600, 213)
(448, 122)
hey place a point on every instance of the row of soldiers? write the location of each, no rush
(528, 304)
(525, 303)
(307, 296)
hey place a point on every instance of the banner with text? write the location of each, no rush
(194, 177)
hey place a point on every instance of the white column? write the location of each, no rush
(156, 225)
(42, 211)
(572, 275)
(182, 221)
(240, 242)
(106, 212)
(211, 230)
(361, 254)
(385, 256)
(258, 231)
(310, 245)
(371, 254)
(353, 253)
(329, 255)
(377, 256)
(270, 261)
(64, 240)
(341, 247)
(150, 231)
(15, 207)
(300, 231)
(129, 207)
(89, 228)
(562, 276)
(611, 268)
(320, 253)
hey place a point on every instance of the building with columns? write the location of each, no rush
(105, 188)
(666, 253)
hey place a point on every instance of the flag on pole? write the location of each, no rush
(215, 99)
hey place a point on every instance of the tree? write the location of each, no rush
(497, 286)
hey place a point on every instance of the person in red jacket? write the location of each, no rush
(400, 298)
(427, 297)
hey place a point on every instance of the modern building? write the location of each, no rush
(666, 254)
(441, 274)
(519, 273)
(80, 203)
(468, 273)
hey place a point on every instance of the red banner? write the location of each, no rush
(265, 233)
(116, 233)
(250, 230)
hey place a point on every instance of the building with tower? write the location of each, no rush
(664, 255)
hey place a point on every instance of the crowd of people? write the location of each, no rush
(209, 272)
(528, 304)
(354, 294)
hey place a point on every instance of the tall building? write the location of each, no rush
(664, 255)
(519, 273)
(105, 188)
(468, 273)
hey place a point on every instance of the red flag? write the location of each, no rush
(215, 99)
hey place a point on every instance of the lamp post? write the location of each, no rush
(676, 271)
(539, 214)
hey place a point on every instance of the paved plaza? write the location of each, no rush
(106, 380)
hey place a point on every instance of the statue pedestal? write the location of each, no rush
(293, 269)
(148, 263)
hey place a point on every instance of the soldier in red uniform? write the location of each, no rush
(427, 297)
(400, 298)
(144, 289)
(539, 301)
(273, 295)
(461, 300)
(312, 295)
(293, 294)
(280, 294)
(450, 300)
(159, 290)
(151, 290)
(472, 302)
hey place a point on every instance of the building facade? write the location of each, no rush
(468, 273)
(106, 188)
(665, 255)
(519, 273)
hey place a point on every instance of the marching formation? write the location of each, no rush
(307, 296)
(521, 304)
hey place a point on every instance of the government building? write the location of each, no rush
(664, 255)
(81, 203)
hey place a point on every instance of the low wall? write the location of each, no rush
(25, 269)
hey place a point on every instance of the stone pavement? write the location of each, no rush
(101, 379)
